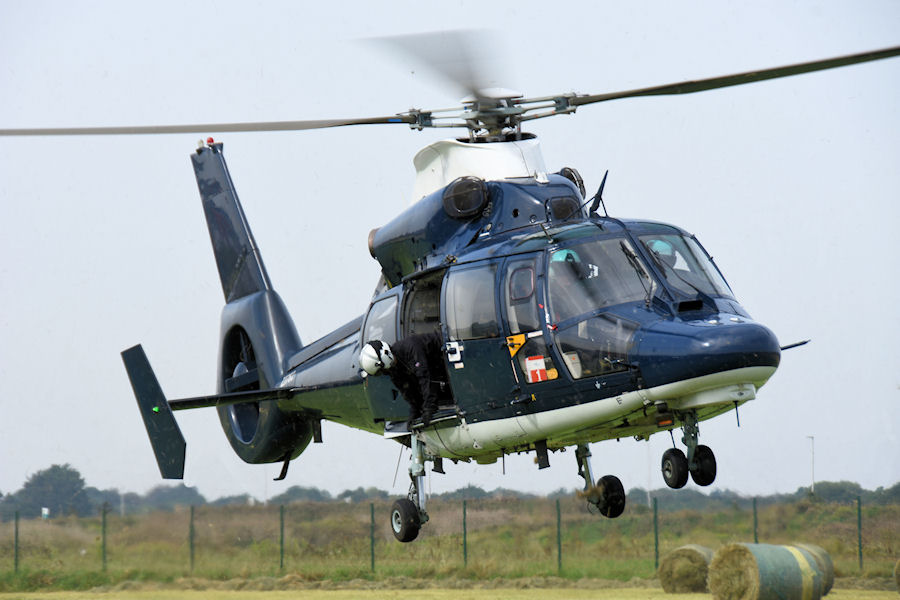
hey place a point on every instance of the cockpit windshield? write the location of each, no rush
(685, 265)
(595, 274)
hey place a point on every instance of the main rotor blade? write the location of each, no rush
(689, 87)
(469, 59)
(210, 127)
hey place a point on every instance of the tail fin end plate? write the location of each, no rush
(165, 436)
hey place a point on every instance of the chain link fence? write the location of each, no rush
(475, 538)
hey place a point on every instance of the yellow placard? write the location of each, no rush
(514, 343)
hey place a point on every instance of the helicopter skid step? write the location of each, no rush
(395, 429)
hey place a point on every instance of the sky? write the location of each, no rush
(792, 185)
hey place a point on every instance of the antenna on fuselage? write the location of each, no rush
(598, 198)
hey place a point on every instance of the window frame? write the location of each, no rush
(451, 317)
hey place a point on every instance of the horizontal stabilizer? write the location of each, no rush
(248, 397)
(795, 345)
(165, 436)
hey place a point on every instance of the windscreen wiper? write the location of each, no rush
(636, 265)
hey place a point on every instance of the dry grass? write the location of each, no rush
(506, 539)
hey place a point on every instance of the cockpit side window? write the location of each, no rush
(596, 346)
(471, 304)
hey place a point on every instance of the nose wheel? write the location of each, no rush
(700, 461)
(704, 471)
(674, 468)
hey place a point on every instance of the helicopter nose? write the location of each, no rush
(672, 351)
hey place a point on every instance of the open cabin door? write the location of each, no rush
(381, 324)
(478, 360)
(421, 314)
(412, 308)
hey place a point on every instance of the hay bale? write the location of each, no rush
(684, 569)
(826, 566)
(733, 574)
(761, 571)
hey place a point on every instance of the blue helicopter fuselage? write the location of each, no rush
(560, 327)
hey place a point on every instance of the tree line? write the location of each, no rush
(62, 491)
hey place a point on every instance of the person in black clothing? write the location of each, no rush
(416, 368)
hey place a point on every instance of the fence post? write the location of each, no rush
(103, 510)
(558, 539)
(755, 524)
(372, 534)
(16, 543)
(465, 545)
(281, 538)
(655, 535)
(191, 537)
(859, 530)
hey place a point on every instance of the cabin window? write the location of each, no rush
(562, 209)
(381, 324)
(520, 298)
(535, 361)
(596, 346)
(471, 304)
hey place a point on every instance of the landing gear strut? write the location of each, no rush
(608, 495)
(408, 514)
(700, 461)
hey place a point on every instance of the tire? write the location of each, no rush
(612, 502)
(674, 468)
(405, 520)
(705, 461)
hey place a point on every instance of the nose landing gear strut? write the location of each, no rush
(700, 461)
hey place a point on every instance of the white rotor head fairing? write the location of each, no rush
(375, 357)
(440, 163)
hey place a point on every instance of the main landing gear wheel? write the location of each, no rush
(704, 472)
(612, 497)
(405, 520)
(607, 496)
(675, 468)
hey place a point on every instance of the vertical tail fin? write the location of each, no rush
(241, 268)
(257, 333)
(251, 303)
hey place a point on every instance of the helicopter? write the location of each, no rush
(561, 326)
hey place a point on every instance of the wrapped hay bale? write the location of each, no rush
(684, 569)
(762, 571)
(826, 567)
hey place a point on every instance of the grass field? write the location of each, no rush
(505, 540)
(429, 594)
